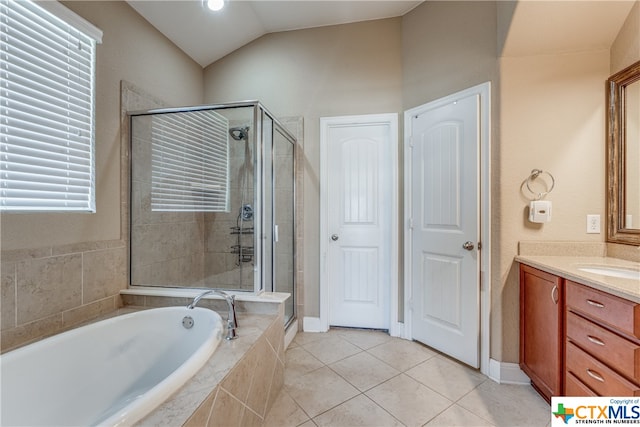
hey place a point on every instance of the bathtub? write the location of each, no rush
(111, 373)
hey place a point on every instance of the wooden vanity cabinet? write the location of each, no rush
(602, 342)
(542, 330)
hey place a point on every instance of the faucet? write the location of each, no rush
(232, 322)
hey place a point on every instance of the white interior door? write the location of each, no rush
(445, 182)
(358, 204)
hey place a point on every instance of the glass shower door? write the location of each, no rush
(283, 220)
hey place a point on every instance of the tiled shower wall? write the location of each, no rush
(222, 268)
(169, 245)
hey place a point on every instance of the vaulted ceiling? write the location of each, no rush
(526, 27)
(207, 36)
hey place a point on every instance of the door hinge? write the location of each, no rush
(410, 304)
(410, 223)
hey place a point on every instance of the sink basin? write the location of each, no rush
(625, 273)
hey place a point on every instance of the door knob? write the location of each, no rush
(334, 237)
(468, 246)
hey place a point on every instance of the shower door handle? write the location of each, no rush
(334, 237)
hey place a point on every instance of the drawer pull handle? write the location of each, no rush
(595, 303)
(554, 294)
(595, 375)
(595, 340)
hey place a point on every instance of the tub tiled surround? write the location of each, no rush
(48, 290)
(270, 303)
(237, 386)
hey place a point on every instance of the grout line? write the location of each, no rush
(15, 297)
(376, 403)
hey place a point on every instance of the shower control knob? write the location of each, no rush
(334, 237)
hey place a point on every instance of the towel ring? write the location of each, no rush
(534, 174)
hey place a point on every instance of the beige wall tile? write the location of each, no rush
(47, 286)
(201, 415)
(262, 376)
(85, 312)
(275, 335)
(227, 411)
(104, 273)
(8, 302)
(250, 419)
(238, 381)
(23, 334)
(22, 254)
(277, 384)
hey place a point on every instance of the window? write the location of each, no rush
(47, 70)
(190, 162)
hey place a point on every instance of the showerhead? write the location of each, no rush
(239, 133)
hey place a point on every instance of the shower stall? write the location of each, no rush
(213, 200)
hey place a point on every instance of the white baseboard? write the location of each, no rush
(397, 330)
(507, 373)
(312, 324)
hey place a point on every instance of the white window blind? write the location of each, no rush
(190, 162)
(47, 70)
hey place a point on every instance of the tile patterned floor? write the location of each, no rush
(348, 377)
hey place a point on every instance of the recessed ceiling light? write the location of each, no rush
(215, 5)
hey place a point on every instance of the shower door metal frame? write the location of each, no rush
(259, 112)
(278, 127)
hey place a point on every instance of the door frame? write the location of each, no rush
(326, 123)
(484, 173)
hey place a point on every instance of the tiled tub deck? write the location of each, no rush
(237, 385)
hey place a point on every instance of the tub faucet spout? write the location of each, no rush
(232, 322)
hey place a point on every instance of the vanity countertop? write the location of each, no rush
(567, 267)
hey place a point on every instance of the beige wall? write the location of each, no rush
(552, 118)
(131, 50)
(60, 269)
(624, 52)
(548, 111)
(438, 60)
(328, 71)
(626, 48)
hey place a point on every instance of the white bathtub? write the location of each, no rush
(112, 372)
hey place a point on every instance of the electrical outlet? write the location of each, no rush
(593, 224)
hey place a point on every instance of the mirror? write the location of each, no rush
(623, 156)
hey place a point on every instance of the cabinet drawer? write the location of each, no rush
(619, 313)
(575, 387)
(617, 352)
(596, 375)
